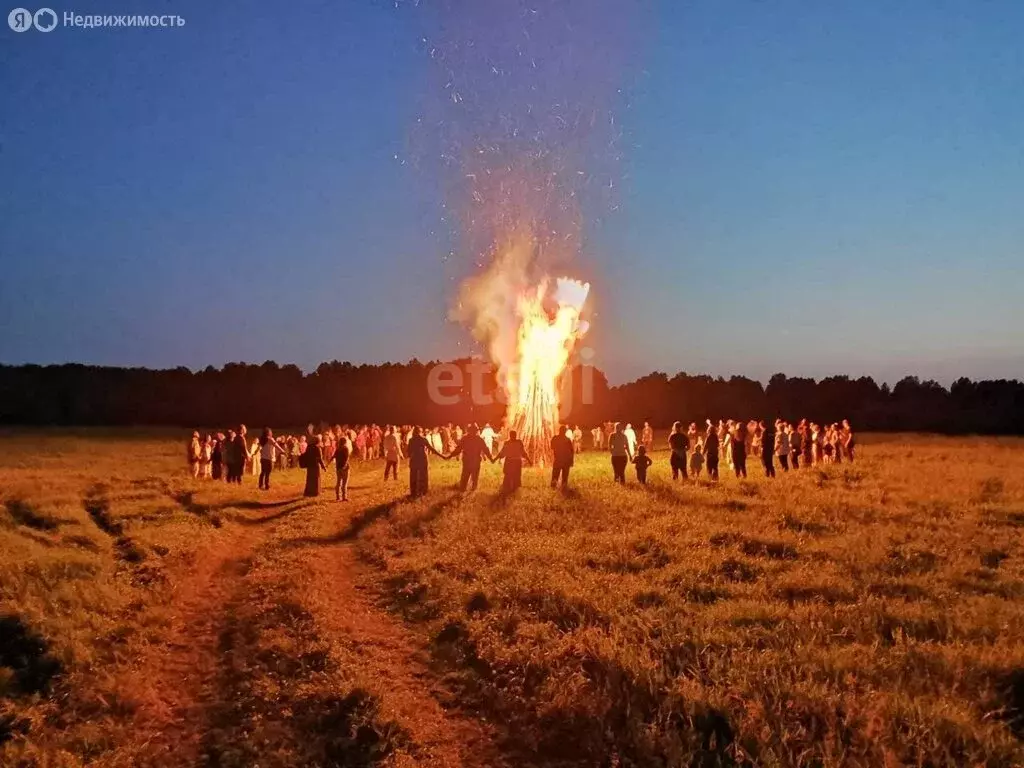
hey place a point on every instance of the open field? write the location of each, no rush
(862, 614)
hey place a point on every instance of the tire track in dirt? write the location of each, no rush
(172, 685)
(391, 664)
(184, 712)
(97, 506)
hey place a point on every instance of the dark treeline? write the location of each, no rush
(80, 395)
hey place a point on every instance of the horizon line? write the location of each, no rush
(305, 373)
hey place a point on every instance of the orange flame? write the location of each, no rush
(545, 344)
(531, 332)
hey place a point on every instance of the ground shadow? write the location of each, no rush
(27, 656)
(803, 526)
(416, 525)
(186, 500)
(501, 499)
(97, 506)
(288, 508)
(25, 514)
(269, 700)
(569, 735)
(662, 492)
(1011, 693)
(356, 526)
(259, 505)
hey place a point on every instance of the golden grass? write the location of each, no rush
(112, 640)
(865, 614)
(859, 614)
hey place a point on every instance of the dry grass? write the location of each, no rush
(865, 614)
(147, 623)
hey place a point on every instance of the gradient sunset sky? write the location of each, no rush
(812, 188)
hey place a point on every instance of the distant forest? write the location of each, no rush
(282, 396)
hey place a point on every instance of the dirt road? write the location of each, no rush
(278, 651)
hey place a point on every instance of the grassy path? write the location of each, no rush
(173, 681)
(159, 621)
(392, 663)
(277, 649)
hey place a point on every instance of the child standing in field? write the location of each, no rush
(697, 459)
(642, 462)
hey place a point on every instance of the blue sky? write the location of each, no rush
(801, 187)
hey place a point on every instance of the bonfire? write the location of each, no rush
(547, 334)
(531, 324)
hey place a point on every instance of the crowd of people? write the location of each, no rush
(229, 456)
(805, 443)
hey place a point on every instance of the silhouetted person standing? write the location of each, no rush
(619, 448)
(711, 451)
(847, 440)
(562, 457)
(473, 449)
(230, 455)
(768, 449)
(342, 455)
(194, 454)
(269, 451)
(739, 450)
(796, 446)
(678, 444)
(514, 454)
(313, 463)
(647, 437)
(238, 450)
(807, 445)
(392, 452)
(782, 445)
(419, 477)
(217, 457)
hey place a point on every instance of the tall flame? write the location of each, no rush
(531, 331)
